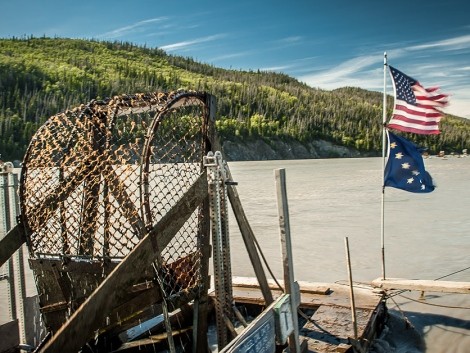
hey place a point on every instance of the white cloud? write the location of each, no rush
(229, 56)
(276, 68)
(136, 27)
(290, 40)
(342, 74)
(461, 42)
(189, 43)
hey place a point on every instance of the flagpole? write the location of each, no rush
(384, 121)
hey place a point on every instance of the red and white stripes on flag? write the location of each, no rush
(416, 107)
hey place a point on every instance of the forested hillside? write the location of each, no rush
(40, 77)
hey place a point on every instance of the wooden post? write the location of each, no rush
(351, 290)
(286, 248)
(201, 303)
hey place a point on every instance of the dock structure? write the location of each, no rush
(325, 313)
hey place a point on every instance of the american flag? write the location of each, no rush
(415, 106)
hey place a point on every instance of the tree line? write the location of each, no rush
(40, 77)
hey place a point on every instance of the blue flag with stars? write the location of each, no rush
(405, 166)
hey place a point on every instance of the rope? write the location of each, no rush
(266, 263)
(407, 322)
(438, 305)
(399, 292)
(453, 273)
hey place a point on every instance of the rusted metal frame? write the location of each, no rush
(89, 316)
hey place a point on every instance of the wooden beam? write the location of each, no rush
(249, 240)
(119, 191)
(422, 285)
(86, 320)
(11, 242)
(201, 304)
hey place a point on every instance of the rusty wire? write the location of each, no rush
(97, 177)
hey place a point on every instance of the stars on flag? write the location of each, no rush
(416, 108)
(405, 166)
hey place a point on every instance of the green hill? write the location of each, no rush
(40, 77)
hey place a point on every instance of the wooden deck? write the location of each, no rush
(327, 324)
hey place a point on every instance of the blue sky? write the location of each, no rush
(326, 44)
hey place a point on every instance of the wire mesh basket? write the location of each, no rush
(96, 178)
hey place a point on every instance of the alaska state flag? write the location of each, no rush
(405, 166)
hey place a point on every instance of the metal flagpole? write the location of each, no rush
(384, 121)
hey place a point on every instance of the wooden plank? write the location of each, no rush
(331, 327)
(11, 242)
(119, 191)
(81, 325)
(337, 294)
(201, 304)
(307, 287)
(10, 337)
(422, 285)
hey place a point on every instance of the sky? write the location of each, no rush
(326, 44)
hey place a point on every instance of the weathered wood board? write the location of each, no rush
(422, 285)
(330, 327)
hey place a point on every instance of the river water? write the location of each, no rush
(427, 236)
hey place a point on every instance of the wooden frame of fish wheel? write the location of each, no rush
(101, 179)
